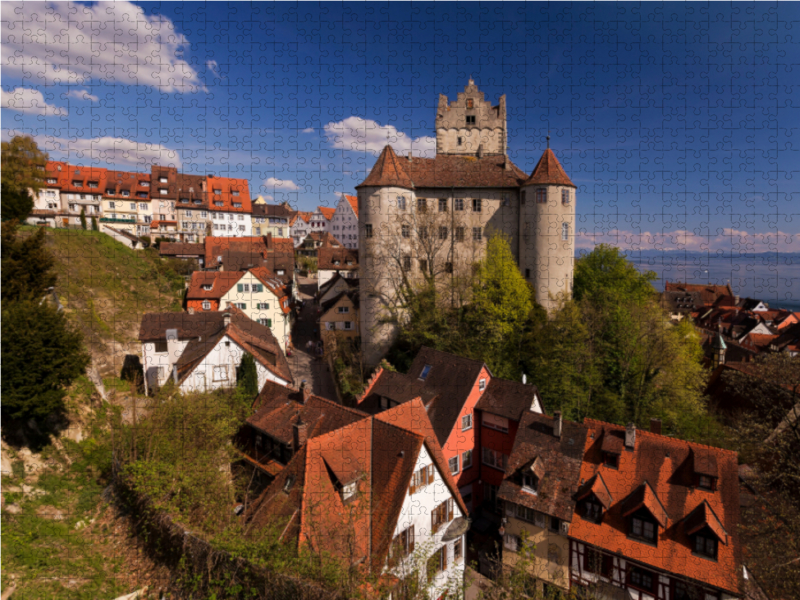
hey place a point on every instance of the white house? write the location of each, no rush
(299, 227)
(321, 219)
(201, 352)
(344, 224)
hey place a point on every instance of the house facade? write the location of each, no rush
(271, 219)
(340, 314)
(344, 223)
(299, 227)
(332, 261)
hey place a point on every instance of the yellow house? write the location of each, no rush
(257, 293)
(340, 314)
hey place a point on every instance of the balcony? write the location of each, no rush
(110, 220)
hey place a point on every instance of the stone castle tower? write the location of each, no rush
(418, 216)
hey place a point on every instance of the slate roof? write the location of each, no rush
(510, 399)
(659, 471)
(443, 171)
(548, 171)
(560, 459)
(326, 257)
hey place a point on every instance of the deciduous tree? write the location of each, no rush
(26, 263)
(23, 172)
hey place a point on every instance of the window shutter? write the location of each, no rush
(433, 519)
(430, 473)
(411, 540)
(239, 287)
(450, 509)
(444, 557)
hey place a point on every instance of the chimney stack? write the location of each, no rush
(655, 426)
(558, 424)
(630, 436)
(226, 319)
(299, 435)
(736, 300)
(305, 390)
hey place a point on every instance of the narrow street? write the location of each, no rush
(303, 363)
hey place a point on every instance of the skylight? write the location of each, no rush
(425, 370)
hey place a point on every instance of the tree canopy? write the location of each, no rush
(27, 266)
(23, 167)
(247, 376)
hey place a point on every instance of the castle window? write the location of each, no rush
(564, 196)
(477, 234)
(476, 205)
(442, 233)
(442, 204)
(405, 231)
(368, 230)
(422, 205)
(423, 233)
(459, 234)
(458, 204)
(470, 103)
(460, 140)
(565, 231)
(406, 263)
(470, 119)
(527, 273)
(401, 202)
(541, 196)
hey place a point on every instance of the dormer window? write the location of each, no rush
(237, 205)
(482, 385)
(288, 483)
(642, 527)
(207, 287)
(349, 491)
(611, 460)
(425, 371)
(530, 483)
(706, 482)
(706, 544)
(592, 510)
(162, 180)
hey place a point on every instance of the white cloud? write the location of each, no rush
(105, 150)
(28, 101)
(308, 130)
(213, 66)
(366, 135)
(69, 43)
(83, 95)
(280, 184)
(681, 239)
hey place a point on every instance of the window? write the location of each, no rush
(235, 193)
(482, 385)
(349, 490)
(453, 464)
(526, 514)
(258, 288)
(705, 544)
(406, 263)
(52, 180)
(642, 527)
(458, 550)
(530, 482)
(77, 184)
(162, 191)
(348, 325)
(161, 346)
(564, 196)
(421, 478)
(511, 542)
(423, 265)
(217, 192)
(611, 460)
(206, 305)
(592, 510)
(506, 200)
(476, 205)
(368, 230)
(262, 306)
(143, 206)
(221, 373)
(144, 184)
(565, 231)
(554, 523)
(405, 231)
(425, 371)
(401, 202)
(442, 514)
(494, 422)
(477, 234)
(458, 204)
(343, 309)
(423, 233)
(133, 206)
(280, 272)
(460, 141)
(541, 196)
(437, 562)
(422, 205)
(470, 119)
(705, 482)
(240, 305)
(442, 204)
(466, 459)
(403, 543)
(442, 233)
(466, 422)
(470, 103)
(448, 267)
(111, 205)
(641, 579)
(494, 459)
(162, 180)
(459, 234)
(597, 562)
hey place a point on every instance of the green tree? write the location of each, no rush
(41, 354)
(247, 375)
(23, 173)
(26, 263)
(83, 219)
(94, 224)
(606, 276)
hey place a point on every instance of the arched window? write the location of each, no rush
(565, 231)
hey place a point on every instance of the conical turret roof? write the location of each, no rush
(549, 171)
(388, 171)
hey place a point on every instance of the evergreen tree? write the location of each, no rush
(41, 354)
(247, 376)
(23, 172)
(26, 264)
(83, 219)
(94, 224)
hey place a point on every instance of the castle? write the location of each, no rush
(431, 217)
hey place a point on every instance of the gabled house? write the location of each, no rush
(538, 494)
(656, 517)
(257, 292)
(708, 293)
(299, 226)
(331, 261)
(316, 240)
(202, 351)
(241, 254)
(271, 219)
(335, 286)
(376, 494)
(340, 314)
(344, 223)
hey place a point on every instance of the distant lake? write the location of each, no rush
(771, 277)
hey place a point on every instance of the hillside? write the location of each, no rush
(105, 288)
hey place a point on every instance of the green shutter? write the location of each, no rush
(244, 306)
(269, 322)
(239, 287)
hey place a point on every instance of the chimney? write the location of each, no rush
(506, 163)
(306, 391)
(736, 300)
(630, 436)
(655, 426)
(190, 310)
(226, 319)
(299, 434)
(558, 424)
(410, 155)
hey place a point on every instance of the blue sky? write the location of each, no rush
(677, 122)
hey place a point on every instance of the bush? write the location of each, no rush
(145, 239)
(83, 219)
(94, 224)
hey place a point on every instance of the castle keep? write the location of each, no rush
(431, 217)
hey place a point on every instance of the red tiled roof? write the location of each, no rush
(306, 216)
(326, 211)
(549, 171)
(227, 186)
(709, 293)
(597, 486)
(120, 181)
(220, 282)
(242, 253)
(70, 174)
(659, 473)
(353, 201)
(275, 285)
(387, 171)
(346, 257)
(181, 249)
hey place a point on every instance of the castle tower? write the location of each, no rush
(470, 122)
(547, 230)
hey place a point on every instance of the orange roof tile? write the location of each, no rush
(388, 171)
(549, 171)
(233, 196)
(353, 201)
(326, 211)
(220, 282)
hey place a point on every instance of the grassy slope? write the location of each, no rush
(106, 287)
